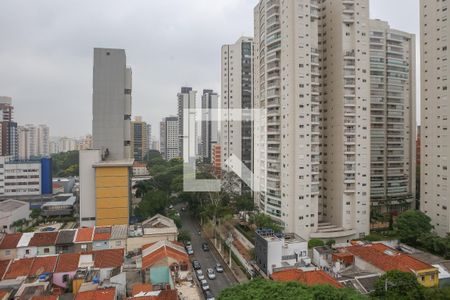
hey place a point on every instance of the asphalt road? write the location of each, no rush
(207, 259)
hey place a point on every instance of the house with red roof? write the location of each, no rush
(4, 265)
(380, 258)
(162, 259)
(83, 239)
(309, 278)
(44, 242)
(156, 295)
(24, 249)
(8, 246)
(43, 264)
(19, 268)
(29, 267)
(65, 269)
(101, 237)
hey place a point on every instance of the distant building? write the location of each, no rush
(276, 250)
(169, 138)
(140, 169)
(186, 100)
(139, 139)
(34, 141)
(59, 208)
(11, 211)
(209, 124)
(217, 159)
(63, 185)
(309, 278)
(8, 128)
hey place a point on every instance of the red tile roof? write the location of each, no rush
(163, 252)
(141, 287)
(40, 239)
(84, 235)
(309, 278)
(386, 258)
(67, 262)
(19, 267)
(4, 293)
(43, 264)
(110, 258)
(102, 233)
(10, 241)
(101, 294)
(3, 267)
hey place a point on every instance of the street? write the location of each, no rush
(207, 259)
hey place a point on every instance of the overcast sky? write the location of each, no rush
(47, 46)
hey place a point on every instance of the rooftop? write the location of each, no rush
(156, 295)
(43, 264)
(270, 235)
(309, 278)
(114, 163)
(18, 268)
(10, 241)
(65, 236)
(43, 239)
(386, 258)
(84, 235)
(11, 205)
(102, 233)
(110, 258)
(119, 232)
(4, 264)
(67, 262)
(70, 201)
(100, 294)
(155, 252)
(25, 239)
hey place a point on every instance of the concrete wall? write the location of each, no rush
(87, 186)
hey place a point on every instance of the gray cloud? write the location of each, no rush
(46, 51)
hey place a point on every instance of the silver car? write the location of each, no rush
(211, 274)
(205, 285)
(200, 275)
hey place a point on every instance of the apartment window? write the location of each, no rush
(46, 250)
(27, 251)
(7, 252)
(65, 278)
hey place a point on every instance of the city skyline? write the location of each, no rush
(160, 66)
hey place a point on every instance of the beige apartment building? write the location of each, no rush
(393, 119)
(435, 112)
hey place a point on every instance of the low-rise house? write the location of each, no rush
(42, 265)
(309, 278)
(277, 250)
(59, 208)
(156, 295)
(65, 269)
(101, 238)
(4, 265)
(23, 247)
(12, 211)
(162, 259)
(83, 239)
(44, 242)
(64, 242)
(32, 290)
(152, 230)
(322, 257)
(31, 267)
(8, 246)
(119, 235)
(379, 258)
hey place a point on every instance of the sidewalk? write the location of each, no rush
(235, 271)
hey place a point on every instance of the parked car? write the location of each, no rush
(205, 285)
(209, 295)
(200, 275)
(211, 273)
(189, 250)
(196, 264)
(219, 268)
(205, 247)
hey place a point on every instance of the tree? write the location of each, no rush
(244, 202)
(312, 243)
(259, 289)
(184, 236)
(261, 220)
(411, 225)
(65, 164)
(330, 243)
(153, 202)
(35, 213)
(399, 285)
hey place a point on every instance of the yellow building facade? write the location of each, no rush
(112, 193)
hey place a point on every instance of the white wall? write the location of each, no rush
(87, 186)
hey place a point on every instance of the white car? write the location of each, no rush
(211, 274)
(205, 285)
(189, 250)
(200, 275)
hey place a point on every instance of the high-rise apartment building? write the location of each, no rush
(112, 103)
(209, 124)
(186, 101)
(236, 136)
(149, 136)
(312, 77)
(393, 118)
(169, 138)
(139, 139)
(435, 113)
(43, 140)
